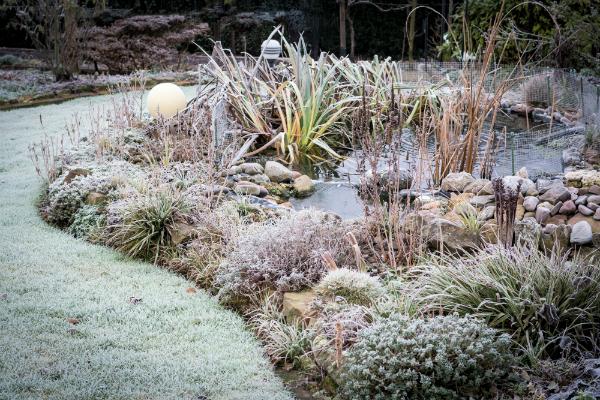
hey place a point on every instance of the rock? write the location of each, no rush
(594, 189)
(181, 231)
(549, 228)
(522, 173)
(578, 217)
(259, 179)
(487, 213)
(530, 203)
(592, 206)
(247, 188)
(557, 219)
(482, 201)
(74, 173)
(303, 186)
(582, 177)
(556, 208)
(527, 231)
(556, 193)
(529, 214)
(581, 233)
(568, 208)
(558, 236)
(236, 169)
(95, 198)
(457, 181)
(543, 185)
(542, 214)
(278, 172)
(480, 187)
(583, 210)
(581, 200)
(296, 175)
(597, 214)
(450, 234)
(521, 109)
(251, 168)
(513, 182)
(295, 304)
(400, 178)
(594, 199)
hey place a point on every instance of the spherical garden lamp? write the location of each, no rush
(166, 100)
(271, 49)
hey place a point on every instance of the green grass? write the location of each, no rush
(172, 344)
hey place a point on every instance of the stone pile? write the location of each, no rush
(272, 182)
(564, 209)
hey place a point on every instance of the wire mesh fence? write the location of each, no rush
(544, 110)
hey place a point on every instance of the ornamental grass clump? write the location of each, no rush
(549, 305)
(283, 255)
(142, 225)
(353, 286)
(445, 357)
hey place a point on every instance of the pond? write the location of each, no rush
(524, 143)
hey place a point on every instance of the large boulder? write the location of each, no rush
(457, 181)
(278, 172)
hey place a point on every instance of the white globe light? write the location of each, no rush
(271, 49)
(166, 100)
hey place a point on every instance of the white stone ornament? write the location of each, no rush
(166, 100)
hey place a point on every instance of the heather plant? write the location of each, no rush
(87, 223)
(353, 286)
(286, 254)
(548, 304)
(445, 357)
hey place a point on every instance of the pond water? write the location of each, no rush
(525, 143)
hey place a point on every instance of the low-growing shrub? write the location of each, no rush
(438, 358)
(547, 303)
(142, 226)
(284, 341)
(283, 255)
(87, 222)
(354, 286)
(542, 91)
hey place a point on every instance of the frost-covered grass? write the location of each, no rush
(171, 344)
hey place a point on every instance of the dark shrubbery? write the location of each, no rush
(140, 42)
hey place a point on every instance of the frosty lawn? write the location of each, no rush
(79, 321)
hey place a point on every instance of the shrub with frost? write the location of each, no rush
(354, 286)
(283, 255)
(437, 358)
(66, 197)
(87, 222)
